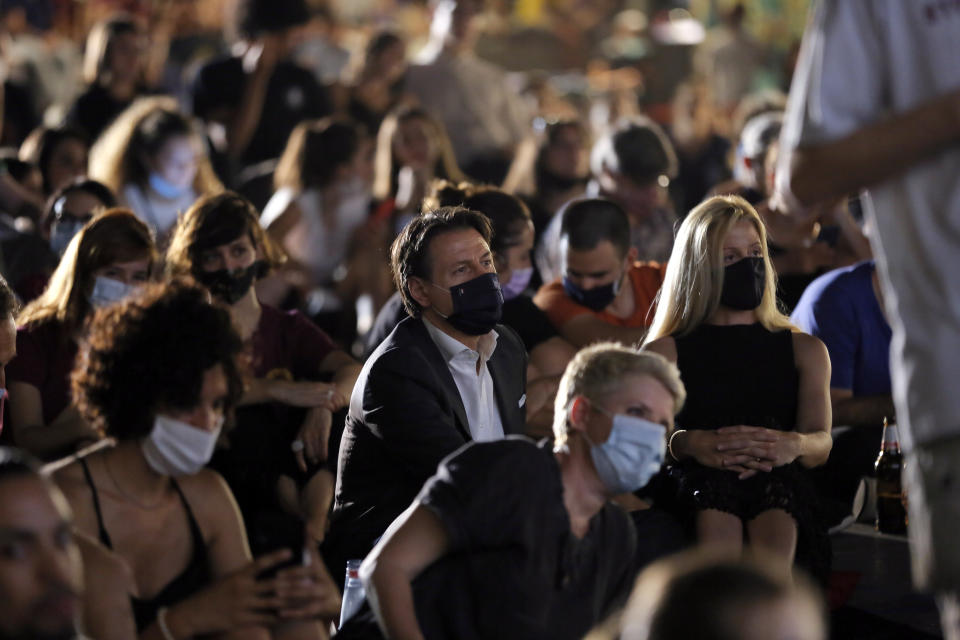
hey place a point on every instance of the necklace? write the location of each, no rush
(126, 494)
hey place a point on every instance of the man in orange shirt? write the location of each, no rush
(605, 294)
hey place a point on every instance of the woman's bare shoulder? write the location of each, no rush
(665, 346)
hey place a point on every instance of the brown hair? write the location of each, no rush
(213, 221)
(410, 251)
(314, 152)
(116, 235)
(172, 330)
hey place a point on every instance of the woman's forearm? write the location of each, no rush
(814, 448)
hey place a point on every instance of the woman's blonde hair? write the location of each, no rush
(693, 283)
(117, 158)
(116, 235)
(385, 166)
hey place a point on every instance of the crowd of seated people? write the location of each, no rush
(261, 325)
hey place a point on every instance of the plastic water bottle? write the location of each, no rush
(353, 592)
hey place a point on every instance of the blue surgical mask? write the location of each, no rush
(632, 454)
(62, 233)
(107, 291)
(165, 188)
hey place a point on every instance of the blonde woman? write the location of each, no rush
(412, 150)
(758, 407)
(155, 160)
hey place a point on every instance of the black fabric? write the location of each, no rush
(94, 110)
(520, 314)
(514, 569)
(745, 375)
(408, 417)
(194, 577)
(528, 320)
(293, 94)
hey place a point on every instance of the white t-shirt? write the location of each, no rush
(320, 244)
(862, 61)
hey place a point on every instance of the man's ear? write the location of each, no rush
(632, 256)
(577, 413)
(418, 291)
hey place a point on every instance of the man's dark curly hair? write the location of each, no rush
(149, 354)
(410, 252)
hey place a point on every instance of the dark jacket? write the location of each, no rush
(405, 416)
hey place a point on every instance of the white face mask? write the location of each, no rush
(106, 291)
(175, 448)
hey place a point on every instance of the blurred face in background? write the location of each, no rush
(125, 57)
(176, 161)
(454, 23)
(67, 163)
(390, 64)
(413, 145)
(70, 213)
(567, 156)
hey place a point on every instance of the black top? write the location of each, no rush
(738, 374)
(94, 110)
(514, 568)
(528, 320)
(293, 95)
(194, 577)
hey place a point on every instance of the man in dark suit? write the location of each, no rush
(447, 375)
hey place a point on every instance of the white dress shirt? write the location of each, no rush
(476, 387)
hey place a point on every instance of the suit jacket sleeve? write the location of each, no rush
(408, 412)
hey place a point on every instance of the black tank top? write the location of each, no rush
(738, 374)
(194, 577)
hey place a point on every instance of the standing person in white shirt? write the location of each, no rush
(472, 98)
(875, 103)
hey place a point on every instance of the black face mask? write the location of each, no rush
(477, 304)
(597, 298)
(743, 284)
(230, 286)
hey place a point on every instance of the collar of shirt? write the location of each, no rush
(450, 347)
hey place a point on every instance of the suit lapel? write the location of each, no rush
(442, 372)
(503, 380)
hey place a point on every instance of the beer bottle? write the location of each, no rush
(891, 515)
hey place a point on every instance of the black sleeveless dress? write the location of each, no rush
(745, 375)
(193, 578)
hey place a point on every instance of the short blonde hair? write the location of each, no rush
(600, 369)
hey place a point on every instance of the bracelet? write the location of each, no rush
(670, 443)
(162, 623)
